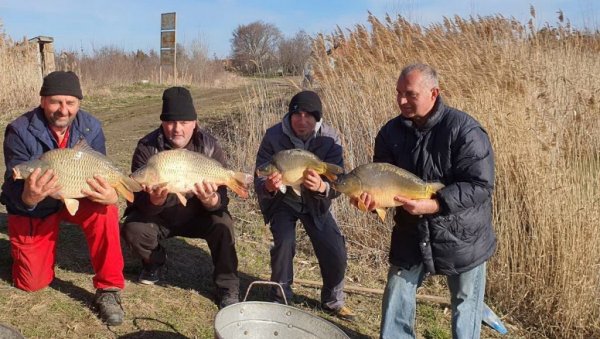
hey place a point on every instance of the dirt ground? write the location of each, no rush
(181, 306)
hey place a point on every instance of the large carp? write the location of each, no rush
(292, 163)
(179, 169)
(384, 181)
(73, 167)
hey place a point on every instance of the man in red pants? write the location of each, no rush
(33, 212)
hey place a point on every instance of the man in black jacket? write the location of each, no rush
(450, 234)
(156, 215)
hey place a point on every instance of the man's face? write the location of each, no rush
(415, 97)
(303, 124)
(178, 133)
(60, 110)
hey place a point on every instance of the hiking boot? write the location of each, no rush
(108, 304)
(343, 312)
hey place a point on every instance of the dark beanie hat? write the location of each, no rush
(178, 105)
(61, 83)
(306, 101)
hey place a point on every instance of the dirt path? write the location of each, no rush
(180, 307)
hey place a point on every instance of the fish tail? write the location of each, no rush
(239, 184)
(126, 186)
(432, 188)
(122, 189)
(332, 171)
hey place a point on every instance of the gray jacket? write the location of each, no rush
(325, 144)
(452, 148)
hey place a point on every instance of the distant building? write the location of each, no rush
(46, 54)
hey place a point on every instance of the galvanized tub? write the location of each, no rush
(259, 319)
(8, 332)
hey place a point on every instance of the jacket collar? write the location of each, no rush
(436, 115)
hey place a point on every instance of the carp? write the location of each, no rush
(384, 181)
(292, 163)
(179, 169)
(73, 167)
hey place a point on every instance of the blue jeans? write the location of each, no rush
(399, 302)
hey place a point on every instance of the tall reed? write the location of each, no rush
(536, 93)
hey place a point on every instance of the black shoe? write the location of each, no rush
(343, 312)
(150, 273)
(226, 298)
(149, 276)
(108, 304)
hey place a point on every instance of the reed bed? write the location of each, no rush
(21, 75)
(536, 93)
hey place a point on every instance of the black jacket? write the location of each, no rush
(201, 142)
(452, 148)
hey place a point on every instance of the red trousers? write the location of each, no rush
(33, 245)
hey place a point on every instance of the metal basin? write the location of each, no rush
(259, 319)
(7, 332)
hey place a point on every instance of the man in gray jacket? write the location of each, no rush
(303, 128)
(450, 234)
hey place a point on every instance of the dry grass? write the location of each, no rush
(536, 92)
(21, 77)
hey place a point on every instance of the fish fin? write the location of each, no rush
(381, 213)
(239, 184)
(331, 171)
(124, 191)
(83, 146)
(283, 189)
(362, 206)
(433, 187)
(297, 190)
(72, 205)
(130, 184)
(181, 198)
(16, 174)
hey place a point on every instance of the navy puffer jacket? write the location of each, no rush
(452, 148)
(27, 138)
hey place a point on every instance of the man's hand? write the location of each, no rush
(273, 182)
(37, 187)
(102, 192)
(206, 192)
(313, 182)
(420, 206)
(158, 194)
(364, 202)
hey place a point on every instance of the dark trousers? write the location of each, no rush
(330, 249)
(144, 234)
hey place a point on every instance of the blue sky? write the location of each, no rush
(135, 24)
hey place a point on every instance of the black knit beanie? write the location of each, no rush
(61, 83)
(306, 101)
(178, 105)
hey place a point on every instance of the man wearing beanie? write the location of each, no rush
(156, 215)
(33, 212)
(303, 128)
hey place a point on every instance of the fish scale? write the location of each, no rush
(384, 181)
(73, 167)
(178, 170)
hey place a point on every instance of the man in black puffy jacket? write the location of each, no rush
(450, 234)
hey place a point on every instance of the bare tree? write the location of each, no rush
(254, 47)
(294, 53)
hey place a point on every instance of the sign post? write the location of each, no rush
(168, 43)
